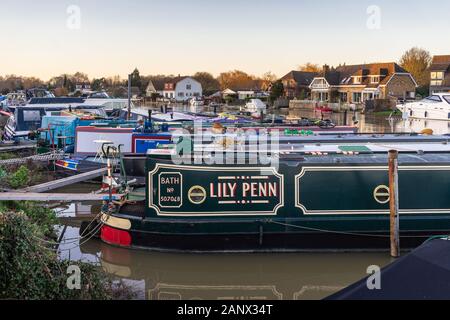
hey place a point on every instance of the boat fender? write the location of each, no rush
(427, 132)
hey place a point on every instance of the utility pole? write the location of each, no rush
(394, 204)
(129, 97)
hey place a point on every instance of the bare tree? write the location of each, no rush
(309, 67)
(417, 62)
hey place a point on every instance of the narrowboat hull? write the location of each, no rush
(318, 203)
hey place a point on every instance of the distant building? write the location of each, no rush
(440, 74)
(359, 83)
(228, 93)
(245, 94)
(122, 92)
(151, 89)
(296, 84)
(83, 89)
(182, 89)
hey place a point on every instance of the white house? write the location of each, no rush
(242, 95)
(182, 89)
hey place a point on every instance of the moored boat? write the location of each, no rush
(434, 107)
(310, 197)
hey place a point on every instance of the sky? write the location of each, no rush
(105, 38)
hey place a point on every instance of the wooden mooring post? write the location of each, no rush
(394, 204)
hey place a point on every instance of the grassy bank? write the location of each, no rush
(24, 175)
(31, 268)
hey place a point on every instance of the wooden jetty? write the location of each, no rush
(13, 147)
(36, 193)
(52, 185)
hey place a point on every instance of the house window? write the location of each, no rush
(436, 83)
(437, 76)
(343, 97)
(356, 97)
(319, 84)
(188, 87)
(323, 96)
(375, 79)
(367, 96)
(181, 94)
(357, 80)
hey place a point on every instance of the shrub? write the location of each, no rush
(30, 269)
(20, 178)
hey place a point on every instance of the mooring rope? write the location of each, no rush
(346, 232)
(72, 240)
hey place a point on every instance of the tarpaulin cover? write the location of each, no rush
(422, 274)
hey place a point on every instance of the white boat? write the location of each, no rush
(196, 104)
(255, 107)
(434, 107)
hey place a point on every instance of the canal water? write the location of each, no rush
(296, 276)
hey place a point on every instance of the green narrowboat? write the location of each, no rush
(334, 199)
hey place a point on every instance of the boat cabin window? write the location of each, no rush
(433, 99)
(31, 115)
(447, 99)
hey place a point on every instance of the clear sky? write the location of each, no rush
(185, 36)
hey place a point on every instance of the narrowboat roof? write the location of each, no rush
(293, 159)
(63, 100)
(345, 149)
(57, 107)
(334, 138)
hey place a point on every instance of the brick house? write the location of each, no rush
(359, 83)
(296, 84)
(440, 74)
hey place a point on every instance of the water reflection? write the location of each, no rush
(162, 276)
(370, 123)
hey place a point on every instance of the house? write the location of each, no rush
(182, 89)
(151, 89)
(245, 94)
(82, 89)
(122, 92)
(229, 93)
(296, 84)
(359, 83)
(440, 74)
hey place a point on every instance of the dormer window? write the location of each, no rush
(375, 79)
(357, 80)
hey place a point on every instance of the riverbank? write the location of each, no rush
(31, 267)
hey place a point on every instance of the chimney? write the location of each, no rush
(326, 68)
